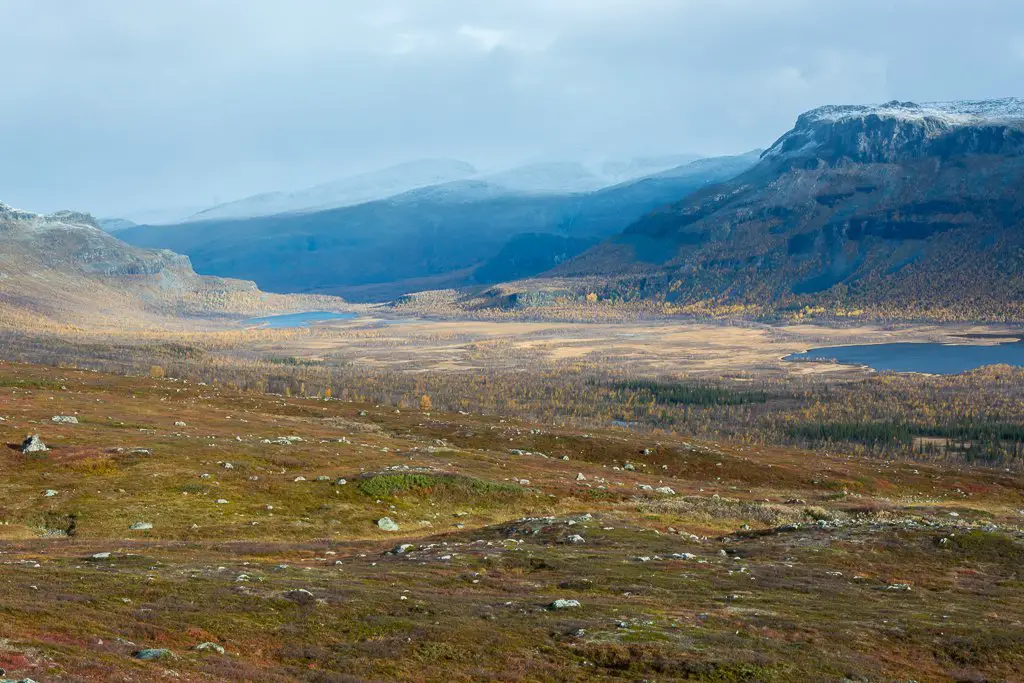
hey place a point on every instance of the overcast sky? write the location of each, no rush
(114, 106)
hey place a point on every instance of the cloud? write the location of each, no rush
(118, 105)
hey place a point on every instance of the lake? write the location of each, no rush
(932, 358)
(298, 319)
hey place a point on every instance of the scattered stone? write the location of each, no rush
(629, 467)
(683, 556)
(222, 501)
(581, 477)
(33, 444)
(300, 596)
(179, 423)
(155, 654)
(209, 647)
(300, 478)
(645, 487)
(667, 490)
(576, 539)
(100, 556)
(49, 493)
(387, 524)
(323, 477)
(227, 466)
(141, 526)
(899, 587)
(403, 549)
(564, 604)
(64, 419)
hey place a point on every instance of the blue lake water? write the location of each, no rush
(299, 319)
(932, 358)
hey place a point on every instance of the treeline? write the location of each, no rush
(686, 393)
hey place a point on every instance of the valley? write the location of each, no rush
(558, 430)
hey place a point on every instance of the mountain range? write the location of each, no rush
(453, 234)
(550, 177)
(913, 209)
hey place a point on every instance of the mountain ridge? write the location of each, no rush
(898, 207)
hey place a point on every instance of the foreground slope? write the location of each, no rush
(907, 208)
(63, 267)
(446, 235)
(175, 515)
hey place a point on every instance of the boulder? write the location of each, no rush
(33, 444)
(564, 604)
(209, 647)
(154, 654)
(64, 419)
(387, 524)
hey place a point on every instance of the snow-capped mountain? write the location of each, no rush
(896, 207)
(365, 187)
(445, 176)
(878, 133)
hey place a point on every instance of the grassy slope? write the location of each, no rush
(764, 603)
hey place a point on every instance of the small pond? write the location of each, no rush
(298, 319)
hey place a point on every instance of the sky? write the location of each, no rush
(119, 106)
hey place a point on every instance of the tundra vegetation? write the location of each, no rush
(487, 508)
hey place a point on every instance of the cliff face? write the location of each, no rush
(904, 207)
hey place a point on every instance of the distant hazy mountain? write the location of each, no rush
(357, 189)
(112, 225)
(534, 178)
(549, 178)
(902, 207)
(452, 234)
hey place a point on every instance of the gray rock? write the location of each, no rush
(64, 419)
(387, 524)
(209, 647)
(341, 482)
(667, 490)
(564, 604)
(33, 444)
(581, 477)
(300, 596)
(179, 423)
(576, 538)
(141, 526)
(154, 654)
(100, 556)
(630, 467)
(50, 493)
